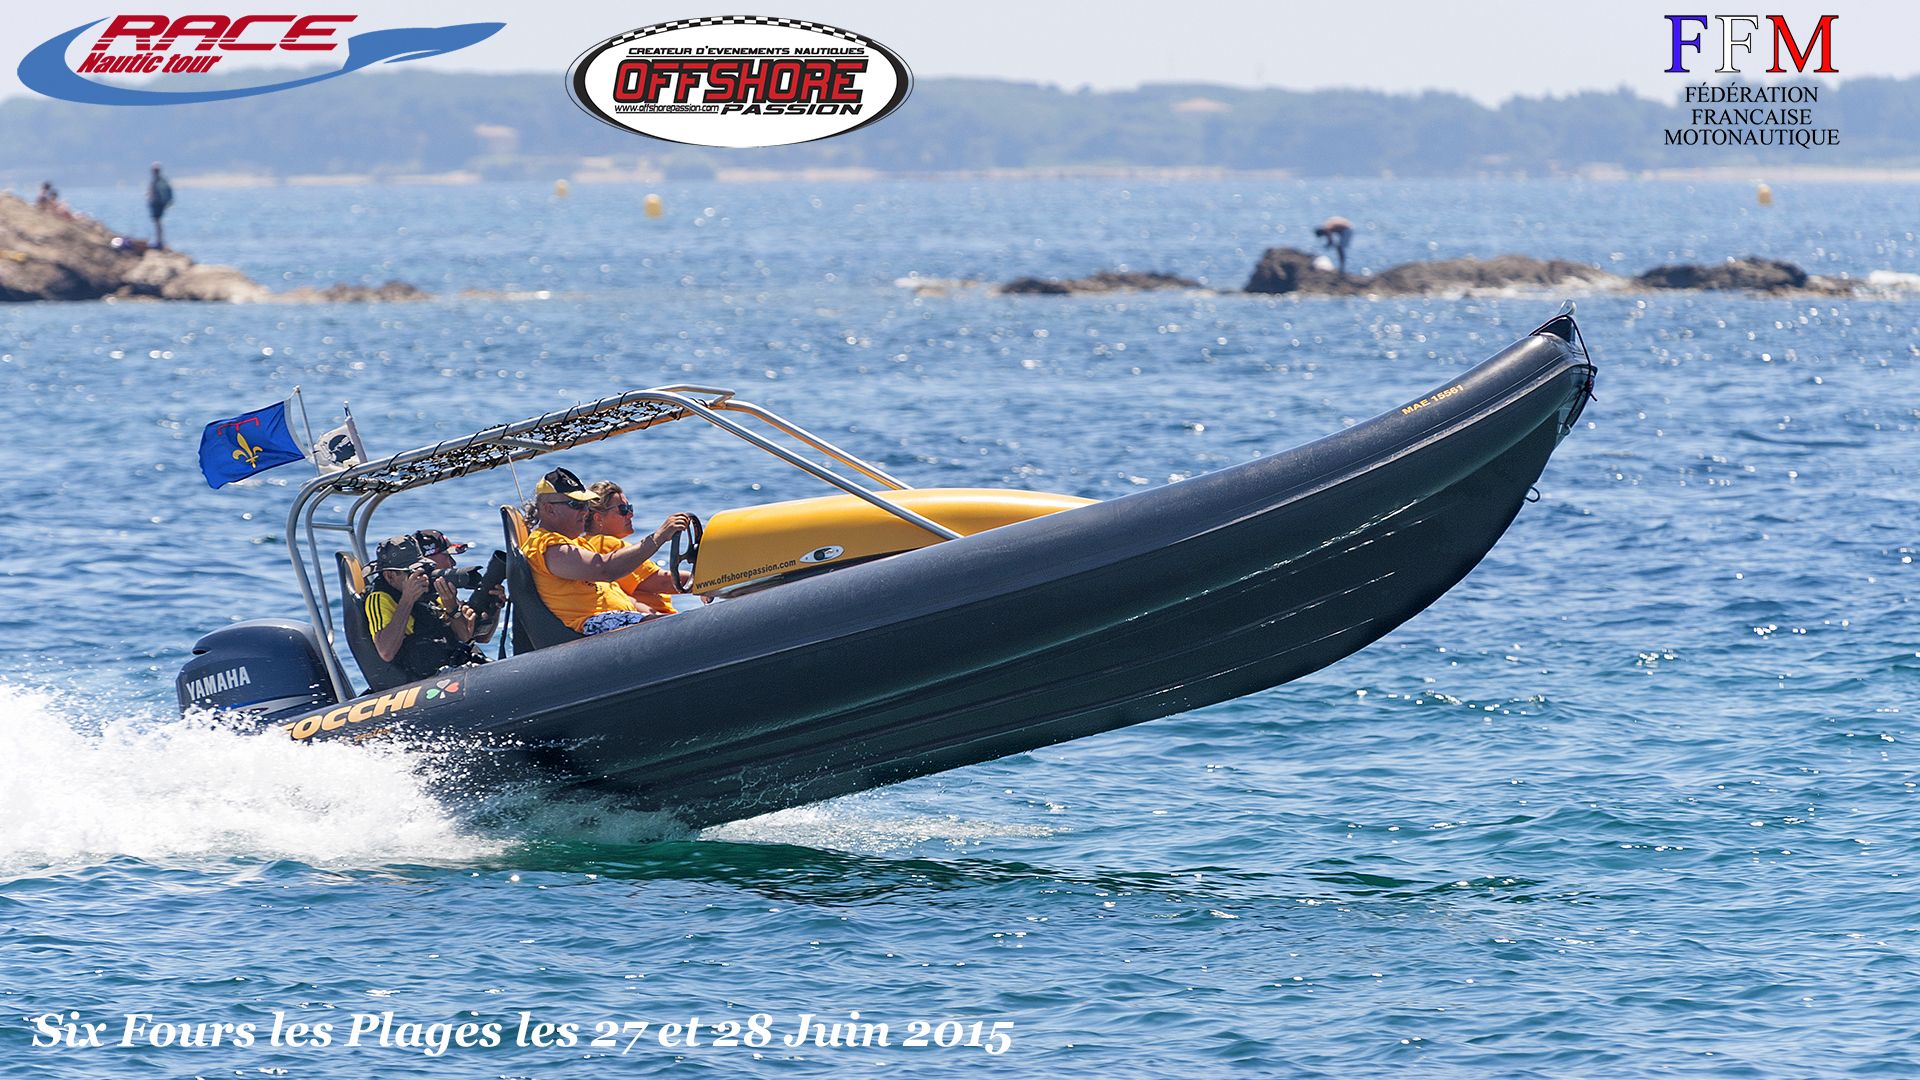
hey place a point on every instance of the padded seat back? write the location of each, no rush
(380, 675)
(534, 627)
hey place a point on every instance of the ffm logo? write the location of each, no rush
(1736, 32)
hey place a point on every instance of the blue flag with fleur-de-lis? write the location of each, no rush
(240, 446)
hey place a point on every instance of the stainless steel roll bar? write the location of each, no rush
(372, 483)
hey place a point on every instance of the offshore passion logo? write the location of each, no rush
(198, 44)
(739, 81)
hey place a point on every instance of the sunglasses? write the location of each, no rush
(570, 504)
(621, 507)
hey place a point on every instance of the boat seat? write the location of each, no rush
(380, 674)
(534, 627)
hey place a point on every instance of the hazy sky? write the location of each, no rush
(1490, 50)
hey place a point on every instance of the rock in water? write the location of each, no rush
(52, 255)
(1763, 274)
(392, 292)
(215, 283)
(49, 255)
(1033, 286)
(1499, 272)
(1288, 270)
(1104, 281)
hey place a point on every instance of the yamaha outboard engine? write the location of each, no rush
(269, 667)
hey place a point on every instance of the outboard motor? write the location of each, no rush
(269, 667)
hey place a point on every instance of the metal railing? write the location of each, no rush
(374, 482)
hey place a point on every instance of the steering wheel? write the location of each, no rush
(677, 558)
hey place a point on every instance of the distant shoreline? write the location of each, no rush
(595, 175)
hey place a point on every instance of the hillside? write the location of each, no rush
(524, 126)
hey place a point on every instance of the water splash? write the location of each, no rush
(1892, 282)
(864, 824)
(81, 787)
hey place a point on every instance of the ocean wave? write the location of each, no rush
(84, 786)
(1893, 281)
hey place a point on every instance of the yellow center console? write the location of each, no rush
(757, 546)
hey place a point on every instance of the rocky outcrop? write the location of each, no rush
(1290, 270)
(54, 256)
(59, 255)
(207, 283)
(1499, 272)
(1105, 281)
(1767, 275)
(393, 292)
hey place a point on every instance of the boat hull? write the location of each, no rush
(1036, 633)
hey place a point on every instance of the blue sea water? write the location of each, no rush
(1638, 798)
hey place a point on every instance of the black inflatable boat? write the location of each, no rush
(865, 640)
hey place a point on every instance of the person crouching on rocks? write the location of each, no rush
(580, 577)
(1335, 232)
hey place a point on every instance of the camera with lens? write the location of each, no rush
(484, 582)
(460, 577)
(479, 582)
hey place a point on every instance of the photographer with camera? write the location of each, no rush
(438, 629)
(486, 595)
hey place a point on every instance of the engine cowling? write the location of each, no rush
(269, 667)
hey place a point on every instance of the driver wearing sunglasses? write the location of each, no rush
(609, 523)
(589, 581)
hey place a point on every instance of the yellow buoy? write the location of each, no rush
(1764, 194)
(560, 189)
(654, 206)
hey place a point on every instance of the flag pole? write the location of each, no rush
(301, 400)
(353, 432)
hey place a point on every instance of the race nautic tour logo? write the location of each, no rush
(132, 45)
(739, 80)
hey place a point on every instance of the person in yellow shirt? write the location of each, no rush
(609, 523)
(579, 578)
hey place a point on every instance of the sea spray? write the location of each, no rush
(868, 824)
(82, 786)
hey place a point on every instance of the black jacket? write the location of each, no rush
(430, 647)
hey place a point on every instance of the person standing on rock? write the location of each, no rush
(1334, 233)
(159, 197)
